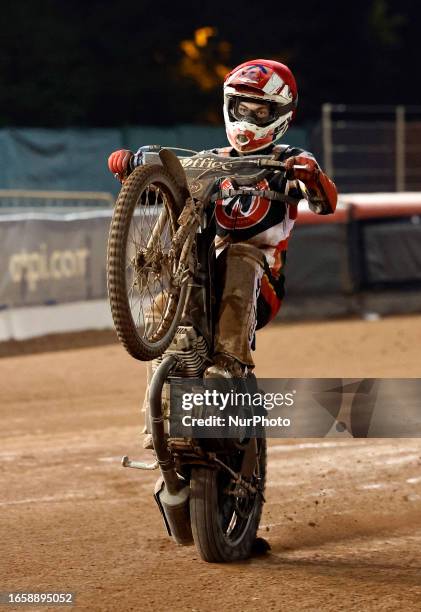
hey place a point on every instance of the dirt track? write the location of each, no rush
(343, 516)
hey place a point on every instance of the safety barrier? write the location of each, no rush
(365, 257)
(14, 200)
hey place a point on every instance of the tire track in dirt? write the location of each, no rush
(343, 516)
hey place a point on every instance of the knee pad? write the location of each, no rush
(247, 253)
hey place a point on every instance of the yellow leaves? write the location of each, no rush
(202, 34)
(221, 70)
(190, 49)
(203, 58)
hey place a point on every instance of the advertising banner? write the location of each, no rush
(53, 259)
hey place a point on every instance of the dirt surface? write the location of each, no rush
(57, 342)
(343, 516)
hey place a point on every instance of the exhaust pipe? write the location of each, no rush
(171, 492)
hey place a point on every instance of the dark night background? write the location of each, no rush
(104, 63)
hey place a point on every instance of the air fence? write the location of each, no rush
(52, 269)
(366, 258)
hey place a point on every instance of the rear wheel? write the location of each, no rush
(224, 517)
(146, 303)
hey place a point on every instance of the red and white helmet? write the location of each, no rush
(265, 83)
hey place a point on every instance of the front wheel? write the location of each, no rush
(146, 302)
(224, 517)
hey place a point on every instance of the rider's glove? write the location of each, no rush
(320, 191)
(119, 163)
(309, 175)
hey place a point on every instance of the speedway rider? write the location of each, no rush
(254, 223)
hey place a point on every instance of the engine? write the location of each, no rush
(191, 348)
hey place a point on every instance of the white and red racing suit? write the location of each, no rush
(263, 215)
(253, 227)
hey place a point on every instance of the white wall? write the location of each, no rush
(22, 323)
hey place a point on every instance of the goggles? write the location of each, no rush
(257, 112)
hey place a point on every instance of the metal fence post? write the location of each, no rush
(400, 148)
(327, 138)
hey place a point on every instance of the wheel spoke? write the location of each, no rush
(148, 269)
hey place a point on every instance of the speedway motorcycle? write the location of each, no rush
(160, 273)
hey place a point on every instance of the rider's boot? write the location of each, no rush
(236, 324)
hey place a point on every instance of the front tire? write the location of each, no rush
(146, 305)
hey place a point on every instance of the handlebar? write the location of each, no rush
(258, 161)
(268, 163)
(213, 166)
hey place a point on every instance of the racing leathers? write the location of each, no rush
(254, 224)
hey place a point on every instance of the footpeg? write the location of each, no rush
(140, 465)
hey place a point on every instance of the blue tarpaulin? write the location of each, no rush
(76, 159)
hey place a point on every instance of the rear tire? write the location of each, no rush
(210, 516)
